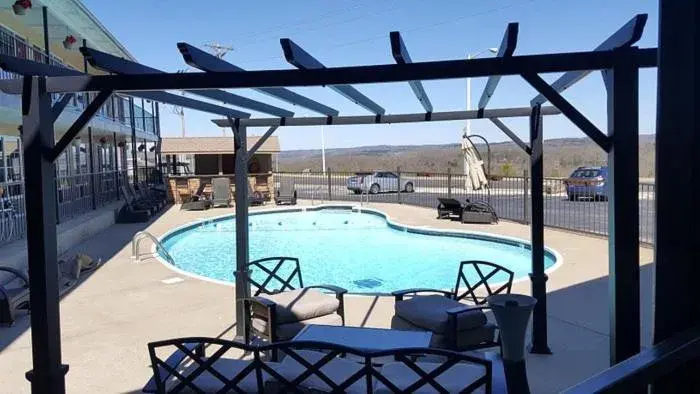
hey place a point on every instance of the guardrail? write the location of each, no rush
(510, 197)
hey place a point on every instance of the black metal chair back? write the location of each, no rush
(278, 274)
(485, 271)
(172, 377)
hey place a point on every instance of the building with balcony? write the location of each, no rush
(116, 144)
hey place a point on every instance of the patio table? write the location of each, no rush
(364, 338)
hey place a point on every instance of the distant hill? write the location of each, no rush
(561, 155)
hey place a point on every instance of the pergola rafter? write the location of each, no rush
(615, 54)
(205, 61)
(111, 63)
(301, 59)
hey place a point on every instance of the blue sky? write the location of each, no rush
(341, 33)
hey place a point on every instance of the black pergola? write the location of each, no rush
(617, 58)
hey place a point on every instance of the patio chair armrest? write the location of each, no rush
(399, 294)
(339, 294)
(261, 301)
(336, 289)
(16, 273)
(466, 308)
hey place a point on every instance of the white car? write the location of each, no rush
(381, 181)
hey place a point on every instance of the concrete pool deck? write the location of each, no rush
(108, 319)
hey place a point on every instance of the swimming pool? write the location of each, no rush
(360, 250)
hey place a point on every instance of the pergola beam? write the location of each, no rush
(400, 54)
(261, 141)
(27, 68)
(204, 61)
(394, 118)
(502, 126)
(110, 63)
(625, 36)
(301, 59)
(83, 119)
(507, 48)
(574, 115)
(385, 73)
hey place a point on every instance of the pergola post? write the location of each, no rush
(537, 276)
(47, 375)
(676, 250)
(134, 165)
(241, 199)
(622, 84)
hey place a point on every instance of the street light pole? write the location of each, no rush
(468, 129)
(323, 150)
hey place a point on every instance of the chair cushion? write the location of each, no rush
(465, 338)
(229, 368)
(290, 330)
(453, 380)
(337, 370)
(430, 313)
(302, 304)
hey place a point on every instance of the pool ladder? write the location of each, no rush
(313, 194)
(362, 198)
(136, 241)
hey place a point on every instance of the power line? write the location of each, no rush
(418, 28)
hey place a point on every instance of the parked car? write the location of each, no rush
(380, 181)
(588, 182)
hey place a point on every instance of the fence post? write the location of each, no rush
(449, 182)
(525, 191)
(328, 171)
(398, 187)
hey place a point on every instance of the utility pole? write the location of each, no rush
(217, 50)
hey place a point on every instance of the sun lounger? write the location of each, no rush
(198, 201)
(449, 207)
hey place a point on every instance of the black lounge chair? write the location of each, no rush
(133, 211)
(471, 212)
(221, 194)
(449, 207)
(13, 298)
(197, 202)
(455, 326)
(479, 212)
(255, 197)
(286, 194)
(141, 195)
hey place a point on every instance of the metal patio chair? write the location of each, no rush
(281, 305)
(221, 194)
(454, 324)
(254, 196)
(286, 194)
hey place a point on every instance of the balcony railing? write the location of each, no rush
(74, 197)
(116, 109)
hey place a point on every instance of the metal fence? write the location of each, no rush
(509, 196)
(74, 197)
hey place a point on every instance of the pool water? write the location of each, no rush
(355, 250)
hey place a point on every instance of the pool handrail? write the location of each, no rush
(136, 240)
